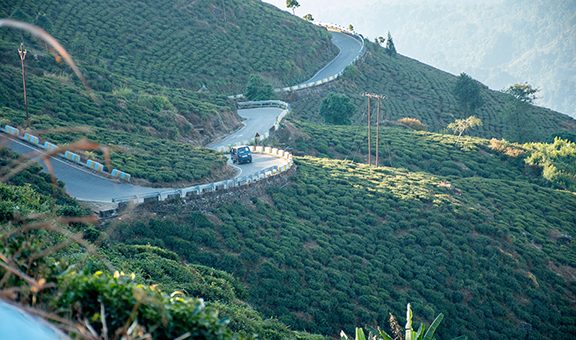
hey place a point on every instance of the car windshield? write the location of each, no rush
(243, 150)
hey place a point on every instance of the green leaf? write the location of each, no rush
(432, 329)
(360, 334)
(420, 333)
(379, 332)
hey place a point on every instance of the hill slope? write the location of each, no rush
(417, 90)
(499, 42)
(464, 232)
(183, 43)
(77, 276)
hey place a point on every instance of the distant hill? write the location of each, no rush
(414, 89)
(499, 42)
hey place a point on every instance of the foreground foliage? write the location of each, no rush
(423, 333)
(53, 262)
(116, 304)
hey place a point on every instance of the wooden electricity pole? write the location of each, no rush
(22, 54)
(369, 134)
(379, 97)
(377, 130)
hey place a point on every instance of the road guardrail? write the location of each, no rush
(202, 189)
(65, 154)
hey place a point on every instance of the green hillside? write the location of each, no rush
(181, 43)
(399, 147)
(47, 237)
(468, 232)
(478, 228)
(419, 91)
(145, 127)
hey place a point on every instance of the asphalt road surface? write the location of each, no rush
(255, 121)
(79, 182)
(349, 48)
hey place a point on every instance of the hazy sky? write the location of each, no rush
(499, 42)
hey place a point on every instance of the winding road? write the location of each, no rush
(88, 186)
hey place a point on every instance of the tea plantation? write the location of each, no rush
(153, 94)
(183, 44)
(344, 244)
(63, 266)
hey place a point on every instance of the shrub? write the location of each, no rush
(117, 302)
(557, 161)
(505, 147)
(337, 109)
(413, 123)
(258, 89)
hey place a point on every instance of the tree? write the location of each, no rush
(467, 91)
(351, 28)
(390, 48)
(517, 109)
(381, 40)
(460, 126)
(524, 92)
(336, 109)
(258, 89)
(292, 4)
(309, 17)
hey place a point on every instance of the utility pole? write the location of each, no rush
(369, 134)
(377, 130)
(379, 97)
(22, 54)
